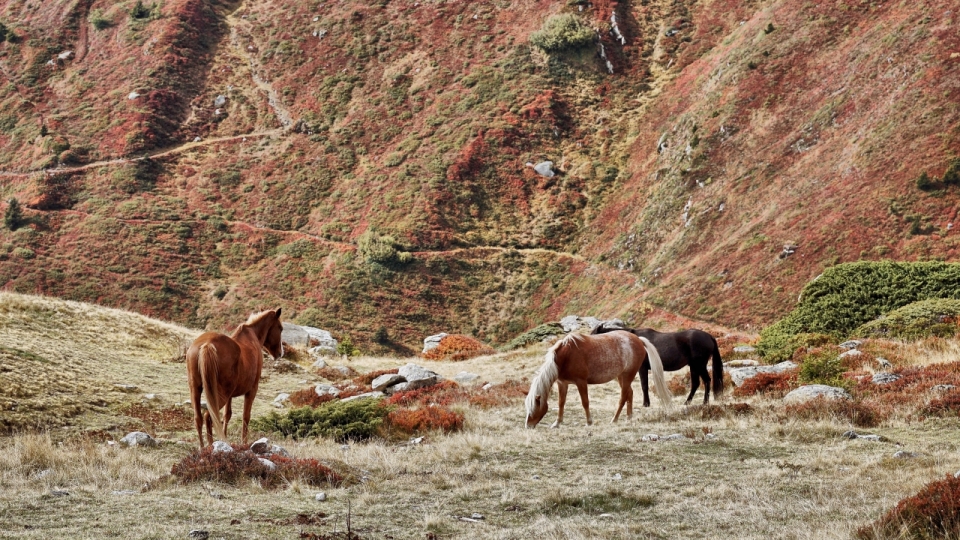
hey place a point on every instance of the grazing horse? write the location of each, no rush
(678, 350)
(584, 360)
(224, 367)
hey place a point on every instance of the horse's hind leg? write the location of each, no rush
(694, 384)
(562, 387)
(626, 397)
(645, 386)
(247, 407)
(582, 388)
(705, 375)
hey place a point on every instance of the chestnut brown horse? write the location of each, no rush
(224, 367)
(583, 360)
(692, 348)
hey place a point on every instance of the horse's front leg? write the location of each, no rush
(562, 387)
(582, 388)
(247, 407)
(645, 385)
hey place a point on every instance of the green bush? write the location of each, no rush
(382, 249)
(356, 420)
(562, 32)
(849, 295)
(934, 317)
(13, 217)
(822, 367)
(98, 20)
(535, 335)
(951, 176)
(923, 182)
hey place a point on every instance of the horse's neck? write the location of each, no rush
(254, 332)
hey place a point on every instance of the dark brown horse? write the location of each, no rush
(224, 367)
(583, 360)
(677, 350)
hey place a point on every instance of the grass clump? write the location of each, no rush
(425, 419)
(849, 295)
(603, 502)
(563, 32)
(382, 249)
(934, 512)
(934, 317)
(357, 420)
(238, 466)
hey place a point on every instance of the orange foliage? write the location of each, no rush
(171, 419)
(309, 397)
(857, 413)
(366, 379)
(234, 467)
(443, 393)
(771, 384)
(457, 347)
(934, 512)
(425, 419)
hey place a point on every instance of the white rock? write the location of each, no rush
(149, 397)
(618, 476)
(432, 342)
(260, 446)
(279, 450)
(271, 466)
(544, 168)
(138, 438)
(465, 377)
(852, 344)
(741, 363)
(367, 395)
(744, 349)
(65, 55)
(320, 363)
(281, 398)
(386, 380)
(814, 391)
(884, 378)
(650, 437)
(674, 437)
(197, 139)
(741, 374)
(884, 363)
(320, 497)
(326, 389)
(850, 353)
(133, 95)
(903, 454)
(220, 101)
(126, 387)
(487, 386)
(221, 446)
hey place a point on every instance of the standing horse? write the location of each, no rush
(224, 367)
(678, 350)
(584, 360)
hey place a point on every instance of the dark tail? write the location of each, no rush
(717, 371)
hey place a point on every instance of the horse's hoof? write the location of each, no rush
(555, 425)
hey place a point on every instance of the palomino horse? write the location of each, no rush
(680, 349)
(584, 360)
(224, 367)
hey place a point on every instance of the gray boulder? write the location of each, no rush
(814, 391)
(432, 342)
(744, 349)
(326, 389)
(850, 353)
(465, 377)
(570, 323)
(326, 345)
(545, 169)
(271, 466)
(852, 344)
(368, 395)
(138, 438)
(220, 101)
(294, 334)
(739, 375)
(384, 381)
(418, 377)
(222, 446)
(884, 378)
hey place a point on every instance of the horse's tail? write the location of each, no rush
(542, 383)
(209, 372)
(717, 371)
(656, 369)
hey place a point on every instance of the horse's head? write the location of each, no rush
(273, 343)
(536, 409)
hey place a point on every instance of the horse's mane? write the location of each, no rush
(254, 318)
(547, 374)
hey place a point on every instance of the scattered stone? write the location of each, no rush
(260, 446)
(852, 344)
(320, 363)
(615, 324)
(222, 446)
(465, 377)
(416, 377)
(138, 438)
(903, 454)
(345, 370)
(545, 169)
(570, 323)
(281, 399)
(744, 349)
(126, 387)
(65, 55)
(384, 381)
(39, 475)
(618, 476)
(487, 386)
(741, 363)
(198, 534)
(123, 492)
(326, 389)
(278, 450)
(942, 387)
(854, 435)
(220, 101)
(884, 378)
(367, 395)
(536, 477)
(59, 493)
(604, 515)
(674, 437)
(197, 139)
(416, 440)
(149, 397)
(742, 374)
(956, 474)
(710, 436)
(884, 363)
(850, 353)
(814, 391)
(476, 515)
(320, 497)
(271, 466)
(788, 250)
(133, 95)
(650, 437)
(432, 342)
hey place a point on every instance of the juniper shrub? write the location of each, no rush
(425, 419)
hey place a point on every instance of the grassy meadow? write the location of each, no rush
(744, 468)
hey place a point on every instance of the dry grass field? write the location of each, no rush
(737, 472)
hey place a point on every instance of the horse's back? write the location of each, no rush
(603, 357)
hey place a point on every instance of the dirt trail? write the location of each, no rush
(273, 99)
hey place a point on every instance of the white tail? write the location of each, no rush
(656, 370)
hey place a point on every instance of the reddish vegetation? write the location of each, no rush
(333, 374)
(442, 394)
(948, 405)
(855, 412)
(425, 419)
(307, 397)
(240, 465)
(934, 512)
(769, 384)
(458, 347)
(169, 419)
(366, 379)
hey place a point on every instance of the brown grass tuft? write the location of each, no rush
(768, 384)
(240, 465)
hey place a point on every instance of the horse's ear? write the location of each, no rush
(278, 312)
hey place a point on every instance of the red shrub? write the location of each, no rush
(425, 419)
(499, 395)
(932, 513)
(771, 384)
(234, 467)
(679, 386)
(855, 412)
(443, 393)
(308, 397)
(457, 347)
(948, 405)
(333, 374)
(366, 379)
